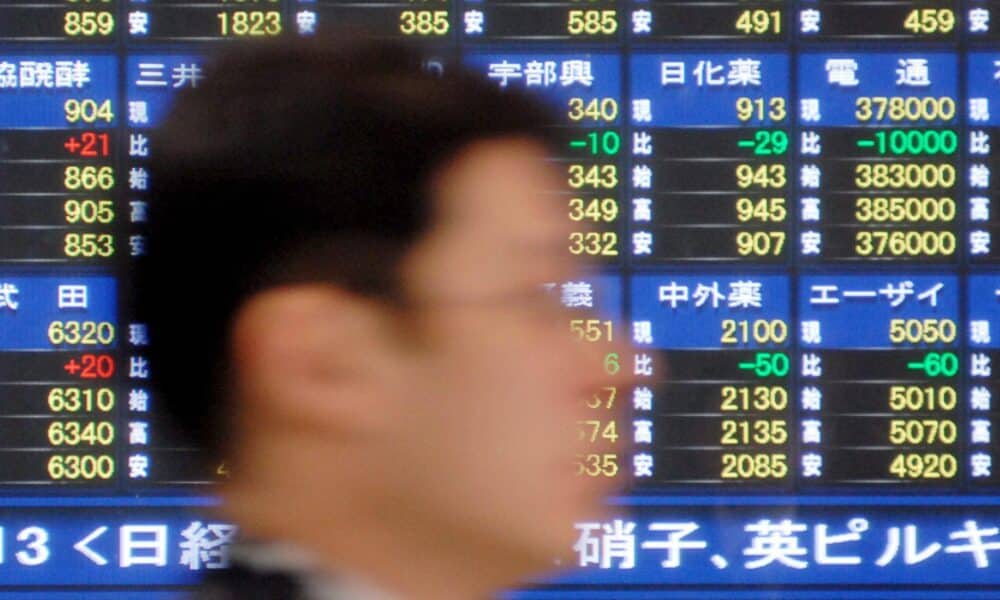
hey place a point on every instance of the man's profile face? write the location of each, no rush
(449, 420)
(495, 387)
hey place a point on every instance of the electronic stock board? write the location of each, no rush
(787, 207)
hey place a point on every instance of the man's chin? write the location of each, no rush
(562, 530)
(555, 557)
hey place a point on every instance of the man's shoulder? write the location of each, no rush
(269, 570)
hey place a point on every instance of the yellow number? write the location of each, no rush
(593, 430)
(593, 176)
(89, 211)
(88, 178)
(88, 245)
(758, 109)
(440, 24)
(930, 20)
(593, 209)
(595, 109)
(592, 22)
(762, 176)
(597, 465)
(904, 209)
(903, 108)
(591, 330)
(86, 333)
(593, 243)
(757, 431)
(922, 331)
(88, 23)
(760, 243)
(754, 466)
(904, 243)
(765, 210)
(759, 331)
(252, 23)
(81, 466)
(424, 22)
(924, 466)
(758, 397)
(913, 432)
(74, 399)
(88, 110)
(916, 398)
(758, 21)
(904, 175)
(605, 398)
(81, 433)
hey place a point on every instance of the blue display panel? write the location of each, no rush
(787, 207)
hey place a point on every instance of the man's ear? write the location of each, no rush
(302, 356)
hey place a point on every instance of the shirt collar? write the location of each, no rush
(317, 584)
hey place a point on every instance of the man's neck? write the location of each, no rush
(349, 535)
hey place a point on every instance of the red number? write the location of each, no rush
(97, 366)
(94, 144)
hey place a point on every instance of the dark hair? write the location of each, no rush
(306, 161)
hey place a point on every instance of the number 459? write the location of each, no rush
(930, 20)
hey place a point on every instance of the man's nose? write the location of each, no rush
(602, 359)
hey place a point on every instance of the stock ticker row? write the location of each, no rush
(592, 21)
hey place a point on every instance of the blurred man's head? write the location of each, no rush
(344, 287)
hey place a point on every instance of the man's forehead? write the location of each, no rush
(507, 170)
(507, 181)
(499, 205)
